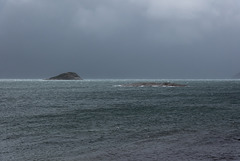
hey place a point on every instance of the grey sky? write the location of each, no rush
(120, 38)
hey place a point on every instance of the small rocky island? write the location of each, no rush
(153, 84)
(66, 76)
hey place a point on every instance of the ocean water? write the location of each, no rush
(98, 120)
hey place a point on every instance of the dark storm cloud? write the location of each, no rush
(120, 38)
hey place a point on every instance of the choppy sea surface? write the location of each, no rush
(99, 120)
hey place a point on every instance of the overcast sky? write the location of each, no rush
(120, 38)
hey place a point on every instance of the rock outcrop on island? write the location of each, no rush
(66, 76)
(153, 84)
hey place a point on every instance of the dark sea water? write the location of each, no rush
(98, 120)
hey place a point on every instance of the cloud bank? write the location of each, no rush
(120, 38)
